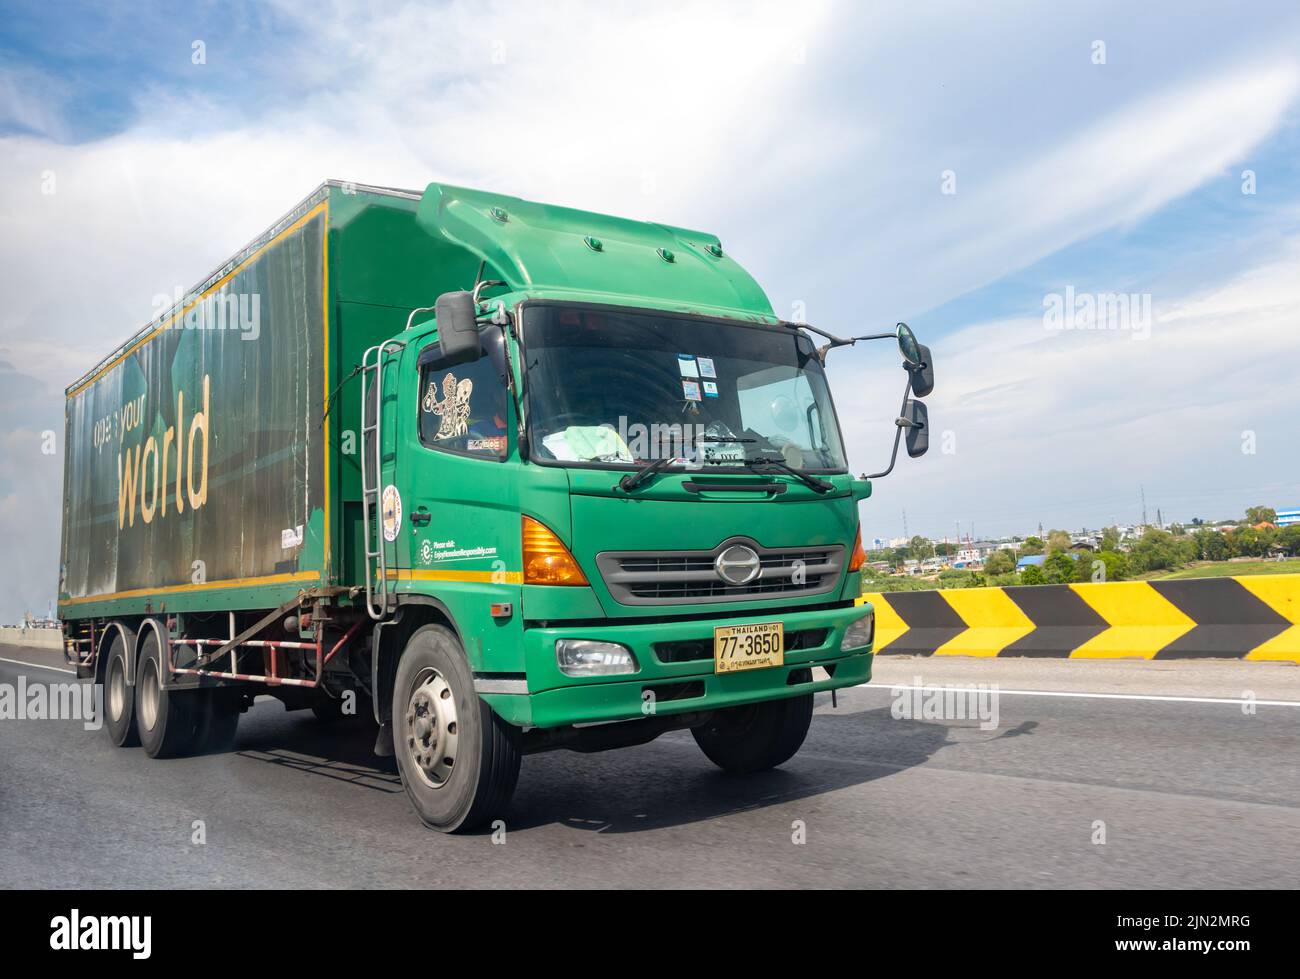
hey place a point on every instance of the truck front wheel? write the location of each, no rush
(755, 737)
(458, 760)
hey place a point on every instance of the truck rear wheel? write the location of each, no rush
(168, 720)
(458, 760)
(119, 698)
(755, 737)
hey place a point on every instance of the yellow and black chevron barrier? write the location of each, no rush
(1254, 618)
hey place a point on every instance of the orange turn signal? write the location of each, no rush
(546, 560)
(859, 557)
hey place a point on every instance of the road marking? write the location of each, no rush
(1085, 696)
(23, 662)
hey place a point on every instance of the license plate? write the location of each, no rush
(748, 647)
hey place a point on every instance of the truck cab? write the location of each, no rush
(627, 502)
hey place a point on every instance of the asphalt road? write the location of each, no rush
(1191, 794)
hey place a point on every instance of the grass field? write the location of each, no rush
(1223, 569)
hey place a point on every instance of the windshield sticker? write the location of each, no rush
(453, 409)
(710, 389)
(706, 367)
(691, 390)
(686, 364)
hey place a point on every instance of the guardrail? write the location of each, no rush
(1250, 617)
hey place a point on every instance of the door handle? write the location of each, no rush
(421, 517)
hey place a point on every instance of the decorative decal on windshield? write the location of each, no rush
(453, 409)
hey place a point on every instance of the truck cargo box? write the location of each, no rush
(201, 469)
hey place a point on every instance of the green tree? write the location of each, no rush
(1031, 546)
(1102, 566)
(999, 562)
(1110, 539)
(921, 548)
(1031, 575)
(1260, 514)
(1059, 568)
(1158, 550)
(1058, 540)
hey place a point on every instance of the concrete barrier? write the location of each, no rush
(38, 638)
(1250, 617)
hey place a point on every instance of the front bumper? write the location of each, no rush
(554, 699)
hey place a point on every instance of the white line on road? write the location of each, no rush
(39, 666)
(1085, 696)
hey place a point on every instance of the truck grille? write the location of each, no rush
(690, 577)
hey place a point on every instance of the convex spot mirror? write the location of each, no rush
(907, 345)
(457, 329)
(916, 419)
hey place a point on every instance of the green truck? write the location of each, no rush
(511, 477)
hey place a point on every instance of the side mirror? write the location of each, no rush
(907, 345)
(916, 419)
(457, 329)
(922, 373)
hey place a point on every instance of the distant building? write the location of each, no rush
(1289, 517)
(1031, 561)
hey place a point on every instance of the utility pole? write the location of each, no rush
(1143, 490)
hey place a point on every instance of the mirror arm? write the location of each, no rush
(900, 423)
(834, 340)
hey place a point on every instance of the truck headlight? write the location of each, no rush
(587, 657)
(860, 632)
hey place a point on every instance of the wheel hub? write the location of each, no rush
(431, 728)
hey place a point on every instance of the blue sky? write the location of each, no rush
(812, 140)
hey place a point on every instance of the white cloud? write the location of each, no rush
(1066, 427)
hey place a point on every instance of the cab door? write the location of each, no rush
(459, 468)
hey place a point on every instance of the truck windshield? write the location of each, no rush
(620, 388)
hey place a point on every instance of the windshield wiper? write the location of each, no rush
(808, 479)
(632, 480)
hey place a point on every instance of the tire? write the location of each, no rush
(216, 720)
(119, 697)
(458, 760)
(168, 720)
(756, 737)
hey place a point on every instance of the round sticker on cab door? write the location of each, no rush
(392, 509)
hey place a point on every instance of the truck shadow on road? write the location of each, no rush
(670, 783)
(666, 783)
(343, 752)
